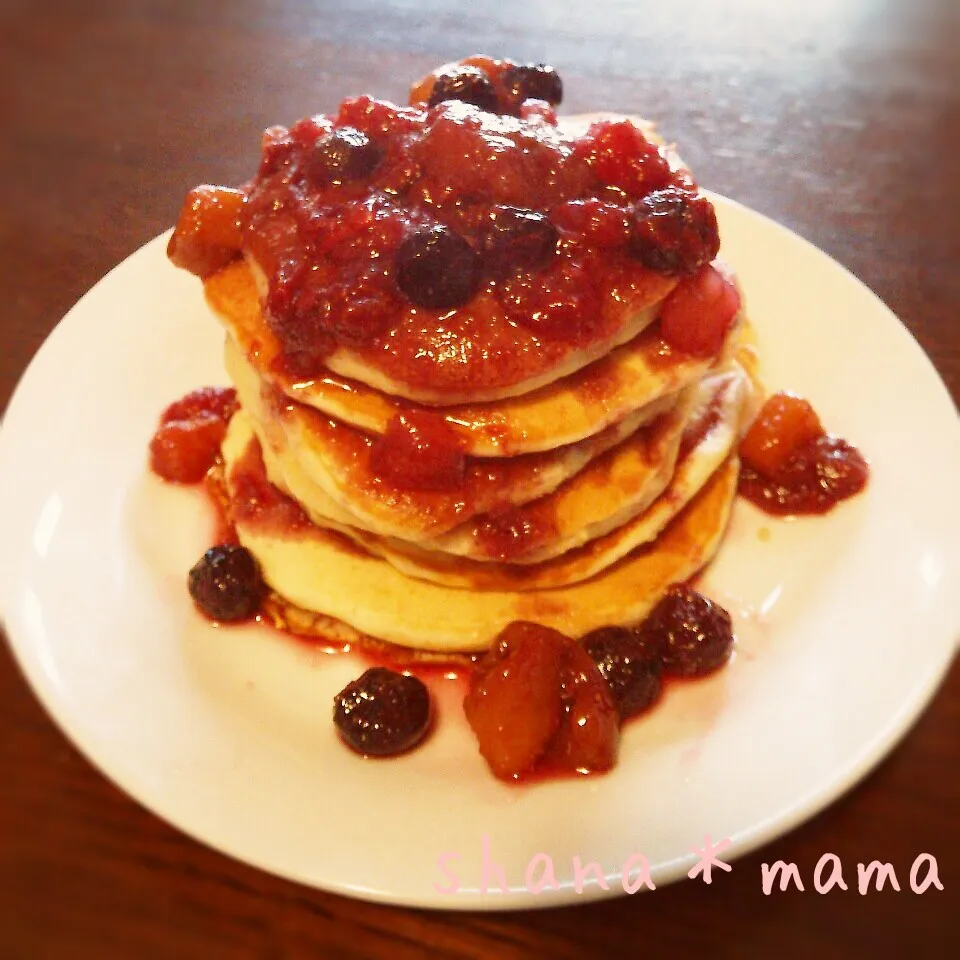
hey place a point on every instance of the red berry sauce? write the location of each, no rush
(373, 228)
(819, 474)
(791, 466)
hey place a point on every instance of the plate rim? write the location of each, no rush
(803, 809)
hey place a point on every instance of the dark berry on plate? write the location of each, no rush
(630, 665)
(468, 84)
(342, 155)
(694, 634)
(513, 239)
(437, 268)
(226, 584)
(382, 712)
(674, 232)
(533, 81)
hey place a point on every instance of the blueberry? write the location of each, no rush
(514, 239)
(629, 664)
(533, 81)
(674, 232)
(694, 634)
(342, 155)
(469, 84)
(437, 268)
(382, 712)
(226, 584)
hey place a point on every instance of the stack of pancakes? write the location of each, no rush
(586, 492)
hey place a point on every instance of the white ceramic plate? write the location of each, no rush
(846, 623)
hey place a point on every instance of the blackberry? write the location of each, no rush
(382, 712)
(514, 239)
(226, 584)
(629, 664)
(694, 634)
(437, 268)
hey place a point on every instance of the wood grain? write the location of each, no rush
(837, 119)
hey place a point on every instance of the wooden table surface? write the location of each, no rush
(838, 119)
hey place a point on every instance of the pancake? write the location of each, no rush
(326, 465)
(568, 410)
(319, 571)
(712, 431)
(608, 491)
(710, 441)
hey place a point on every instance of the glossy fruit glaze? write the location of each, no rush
(464, 241)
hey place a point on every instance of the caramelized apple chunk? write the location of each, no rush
(538, 697)
(208, 233)
(784, 423)
(589, 732)
(514, 705)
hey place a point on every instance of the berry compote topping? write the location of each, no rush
(791, 466)
(589, 732)
(209, 230)
(500, 86)
(693, 635)
(697, 316)
(467, 222)
(531, 81)
(342, 155)
(187, 442)
(419, 451)
(620, 156)
(226, 584)
(382, 712)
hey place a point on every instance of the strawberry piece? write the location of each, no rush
(468, 153)
(621, 156)
(589, 732)
(514, 704)
(184, 450)
(784, 424)
(695, 318)
(309, 130)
